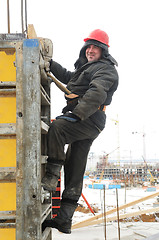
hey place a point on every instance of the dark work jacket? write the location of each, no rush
(95, 82)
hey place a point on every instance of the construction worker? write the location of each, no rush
(92, 86)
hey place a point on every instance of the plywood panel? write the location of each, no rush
(7, 109)
(8, 152)
(7, 234)
(7, 196)
(7, 65)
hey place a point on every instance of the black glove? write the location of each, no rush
(69, 117)
(51, 61)
(71, 103)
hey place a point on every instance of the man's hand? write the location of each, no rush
(72, 101)
(69, 117)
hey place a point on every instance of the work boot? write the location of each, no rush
(50, 180)
(63, 221)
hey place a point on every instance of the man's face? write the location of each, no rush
(93, 53)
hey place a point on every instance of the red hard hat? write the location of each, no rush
(98, 35)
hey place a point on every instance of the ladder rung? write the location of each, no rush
(43, 159)
(44, 127)
(45, 97)
(46, 210)
(46, 233)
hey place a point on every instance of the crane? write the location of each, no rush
(152, 179)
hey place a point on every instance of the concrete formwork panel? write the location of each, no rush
(22, 134)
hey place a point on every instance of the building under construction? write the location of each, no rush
(136, 172)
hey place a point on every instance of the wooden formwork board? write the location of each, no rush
(8, 74)
(21, 131)
(7, 109)
(7, 196)
(7, 64)
(7, 234)
(8, 152)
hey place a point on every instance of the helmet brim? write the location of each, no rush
(87, 39)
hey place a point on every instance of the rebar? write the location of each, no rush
(104, 215)
(26, 24)
(117, 213)
(8, 16)
(24, 8)
(22, 17)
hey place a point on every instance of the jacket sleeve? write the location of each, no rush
(101, 83)
(62, 74)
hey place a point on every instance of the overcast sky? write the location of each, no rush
(132, 26)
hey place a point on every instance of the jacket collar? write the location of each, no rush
(103, 60)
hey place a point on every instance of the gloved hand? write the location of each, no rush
(48, 65)
(69, 117)
(72, 101)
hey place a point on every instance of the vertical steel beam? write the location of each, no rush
(31, 165)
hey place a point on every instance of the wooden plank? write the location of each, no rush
(127, 215)
(31, 32)
(83, 223)
(141, 234)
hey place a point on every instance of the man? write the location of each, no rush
(92, 86)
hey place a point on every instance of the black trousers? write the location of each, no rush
(79, 136)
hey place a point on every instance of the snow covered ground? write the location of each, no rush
(95, 197)
(129, 230)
